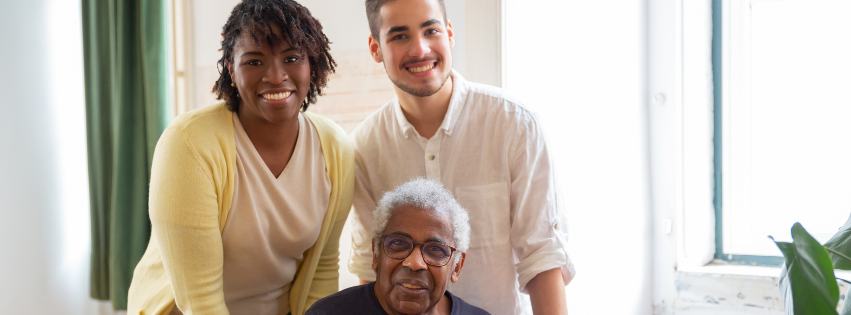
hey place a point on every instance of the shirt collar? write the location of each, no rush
(456, 105)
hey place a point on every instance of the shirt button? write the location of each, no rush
(431, 157)
(556, 226)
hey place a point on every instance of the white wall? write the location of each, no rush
(44, 253)
(207, 17)
(582, 66)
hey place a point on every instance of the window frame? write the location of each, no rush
(721, 78)
(181, 55)
(681, 110)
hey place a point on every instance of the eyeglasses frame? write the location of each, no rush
(382, 238)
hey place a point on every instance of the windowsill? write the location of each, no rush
(722, 287)
(723, 268)
(719, 267)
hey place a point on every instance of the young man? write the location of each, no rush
(419, 239)
(486, 148)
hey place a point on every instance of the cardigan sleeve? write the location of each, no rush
(326, 278)
(184, 210)
(339, 160)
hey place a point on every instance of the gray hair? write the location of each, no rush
(426, 194)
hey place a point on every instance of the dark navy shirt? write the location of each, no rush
(361, 300)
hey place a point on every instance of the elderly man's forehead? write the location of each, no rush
(399, 220)
(432, 212)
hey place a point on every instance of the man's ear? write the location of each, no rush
(457, 271)
(374, 256)
(451, 34)
(375, 49)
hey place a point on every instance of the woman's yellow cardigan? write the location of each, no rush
(192, 185)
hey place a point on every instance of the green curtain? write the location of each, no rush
(127, 107)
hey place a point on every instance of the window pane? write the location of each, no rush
(790, 140)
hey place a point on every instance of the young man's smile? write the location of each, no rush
(422, 69)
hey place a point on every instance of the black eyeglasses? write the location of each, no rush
(400, 247)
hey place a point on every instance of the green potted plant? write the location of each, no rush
(807, 283)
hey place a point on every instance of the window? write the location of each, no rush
(783, 122)
(181, 59)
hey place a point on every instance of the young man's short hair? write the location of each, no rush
(373, 8)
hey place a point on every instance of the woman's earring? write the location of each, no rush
(233, 84)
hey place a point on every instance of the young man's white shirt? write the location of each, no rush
(491, 154)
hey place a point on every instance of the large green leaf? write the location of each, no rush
(840, 245)
(810, 272)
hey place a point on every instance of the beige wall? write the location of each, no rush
(360, 85)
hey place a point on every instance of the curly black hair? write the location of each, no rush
(300, 29)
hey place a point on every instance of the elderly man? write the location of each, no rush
(418, 214)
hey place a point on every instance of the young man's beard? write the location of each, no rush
(423, 91)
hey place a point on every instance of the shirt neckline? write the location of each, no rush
(299, 146)
(371, 289)
(456, 105)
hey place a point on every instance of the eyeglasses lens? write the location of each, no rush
(400, 247)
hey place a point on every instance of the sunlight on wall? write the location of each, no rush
(43, 186)
(580, 65)
(70, 273)
(68, 112)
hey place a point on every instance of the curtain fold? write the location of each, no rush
(127, 107)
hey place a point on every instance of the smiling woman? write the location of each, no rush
(249, 197)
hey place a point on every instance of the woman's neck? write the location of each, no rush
(275, 142)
